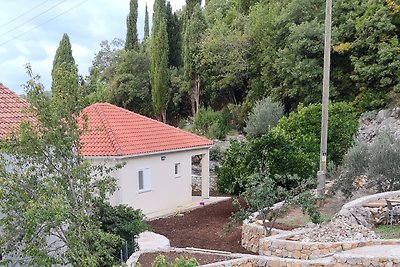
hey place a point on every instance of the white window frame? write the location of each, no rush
(177, 169)
(146, 180)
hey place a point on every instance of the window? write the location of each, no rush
(177, 169)
(144, 179)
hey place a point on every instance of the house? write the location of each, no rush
(157, 157)
(12, 112)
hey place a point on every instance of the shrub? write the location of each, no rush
(272, 151)
(379, 161)
(263, 117)
(124, 222)
(304, 129)
(213, 124)
(164, 261)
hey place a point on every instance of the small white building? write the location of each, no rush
(158, 157)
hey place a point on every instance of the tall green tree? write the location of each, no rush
(174, 38)
(131, 41)
(159, 62)
(191, 50)
(48, 191)
(146, 24)
(190, 6)
(65, 75)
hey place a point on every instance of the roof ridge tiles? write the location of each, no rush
(109, 130)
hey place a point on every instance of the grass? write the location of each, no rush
(388, 232)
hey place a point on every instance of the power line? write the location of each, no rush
(23, 14)
(29, 20)
(47, 21)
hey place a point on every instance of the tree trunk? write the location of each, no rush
(164, 116)
(195, 96)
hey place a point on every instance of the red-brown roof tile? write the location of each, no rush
(114, 131)
(12, 111)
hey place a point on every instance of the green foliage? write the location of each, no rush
(123, 221)
(131, 42)
(273, 151)
(303, 128)
(159, 66)
(65, 75)
(262, 191)
(48, 190)
(213, 124)
(263, 117)
(128, 89)
(164, 261)
(174, 38)
(146, 24)
(378, 161)
(191, 47)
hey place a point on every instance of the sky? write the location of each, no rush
(30, 32)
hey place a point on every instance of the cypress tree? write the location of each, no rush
(191, 47)
(64, 86)
(131, 41)
(159, 61)
(146, 24)
(174, 38)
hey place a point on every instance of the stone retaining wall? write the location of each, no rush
(252, 233)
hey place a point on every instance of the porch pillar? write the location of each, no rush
(205, 175)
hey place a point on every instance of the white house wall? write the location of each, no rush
(166, 190)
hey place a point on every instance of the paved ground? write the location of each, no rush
(374, 251)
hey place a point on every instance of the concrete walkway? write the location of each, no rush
(197, 202)
(389, 251)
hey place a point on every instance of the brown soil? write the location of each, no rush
(202, 228)
(146, 259)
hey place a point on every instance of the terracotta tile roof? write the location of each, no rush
(114, 131)
(12, 109)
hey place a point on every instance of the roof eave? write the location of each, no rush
(151, 153)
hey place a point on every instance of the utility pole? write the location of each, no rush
(321, 174)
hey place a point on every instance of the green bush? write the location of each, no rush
(164, 261)
(304, 129)
(124, 222)
(272, 151)
(263, 117)
(213, 124)
(379, 161)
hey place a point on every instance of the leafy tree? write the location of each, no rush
(102, 71)
(273, 151)
(130, 87)
(375, 56)
(262, 193)
(48, 190)
(213, 124)
(131, 41)
(303, 128)
(377, 161)
(65, 73)
(263, 117)
(192, 37)
(224, 62)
